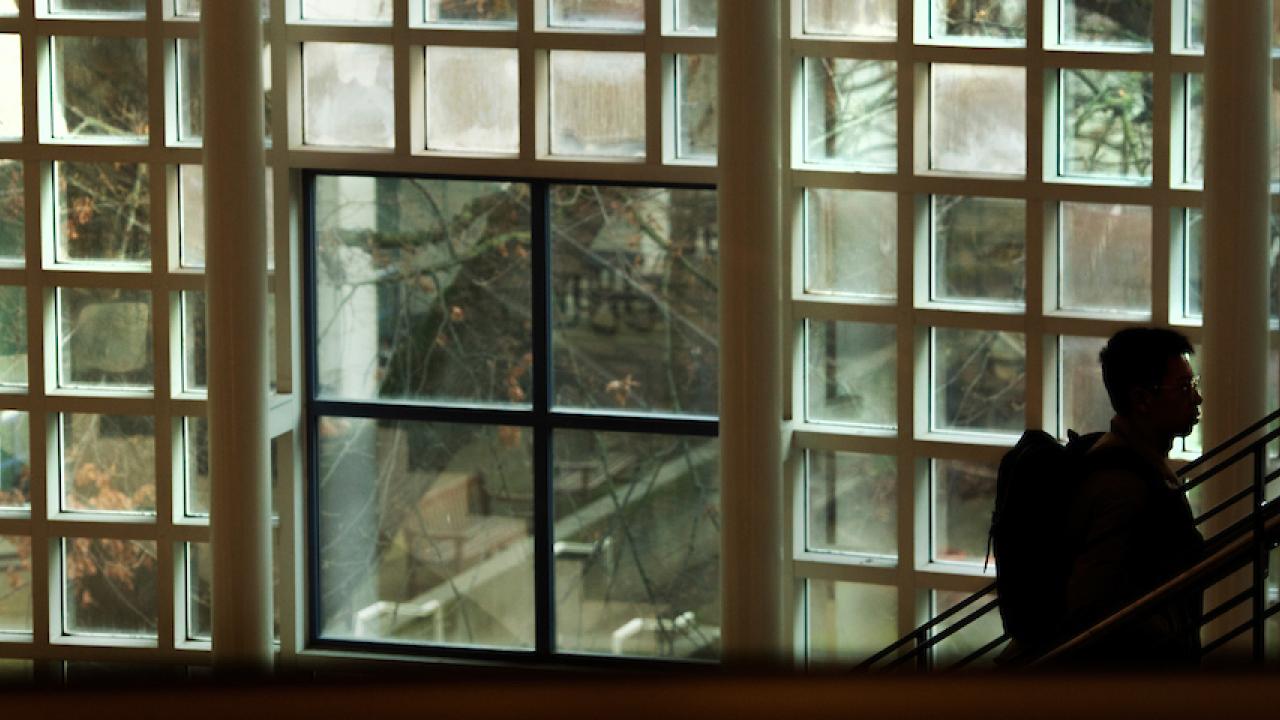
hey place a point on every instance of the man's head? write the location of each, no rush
(1150, 381)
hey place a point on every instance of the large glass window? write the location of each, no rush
(459, 348)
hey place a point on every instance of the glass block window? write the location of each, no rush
(981, 192)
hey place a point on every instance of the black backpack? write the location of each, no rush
(1035, 485)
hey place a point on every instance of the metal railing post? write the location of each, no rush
(1261, 551)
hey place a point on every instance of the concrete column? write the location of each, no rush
(1237, 97)
(755, 551)
(236, 257)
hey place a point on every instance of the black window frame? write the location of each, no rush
(540, 417)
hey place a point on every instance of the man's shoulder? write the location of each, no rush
(1114, 463)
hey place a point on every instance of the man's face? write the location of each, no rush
(1174, 405)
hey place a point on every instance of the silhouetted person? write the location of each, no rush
(1130, 519)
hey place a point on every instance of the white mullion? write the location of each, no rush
(35, 52)
(599, 41)
(15, 522)
(970, 55)
(407, 116)
(292, 532)
(861, 50)
(113, 28)
(158, 107)
(975, 448)
(1186, 64)
(835, 438)
(534, 86)
(1073, 190)
(842, 309)
(815, 177)
(86, 276)
(285, 194)
(15, 400)
(1037, 237)
(912, 116)
(659, 91)
(794, 470)
(138, 152)
(1091, 59)
(360, 34)
(953, 578)
(459, 38)
(90, 648)
(1162, 131)
(833, 567)
(686, 44)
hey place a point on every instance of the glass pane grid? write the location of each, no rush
(631, 294)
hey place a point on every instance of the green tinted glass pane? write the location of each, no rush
(849, 621)
(637, 544)
(979, 381)
(12, 211)
(1193, 133)
(597, 103)
(425, 532)
(10, 85)
(104, 212)
(851, 243)
(199, 591)
(634, 275)
(863, 19)
(194, 339)
(100, 88)
(851, 112)
(500, 13)
(979, 250)
(195, 444)
(978, 118)
(104, 338)
(104, 7)
(852, 373)
(375, 12)
(625, 15)
(13, 336)
(1195, 24)
(696, 106)
(1003, 20)
(15, 586)
(191, 8)
(15, 459)
(347, 95)
(695, 17)
(109, 587)
(1106, 124)
(963, 494)
(1089, 22)
(1105, 258)
(423, 289)
(108, 463)
(1083, 400)
(1193, 242)
(473, 99)
(852, 503)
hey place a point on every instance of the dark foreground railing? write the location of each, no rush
(1245, 542)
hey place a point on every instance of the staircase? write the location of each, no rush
(1245, 543)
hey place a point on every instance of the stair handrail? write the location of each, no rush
(921, 633)
(1217, 560)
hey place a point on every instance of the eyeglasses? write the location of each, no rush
(1186, 387)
